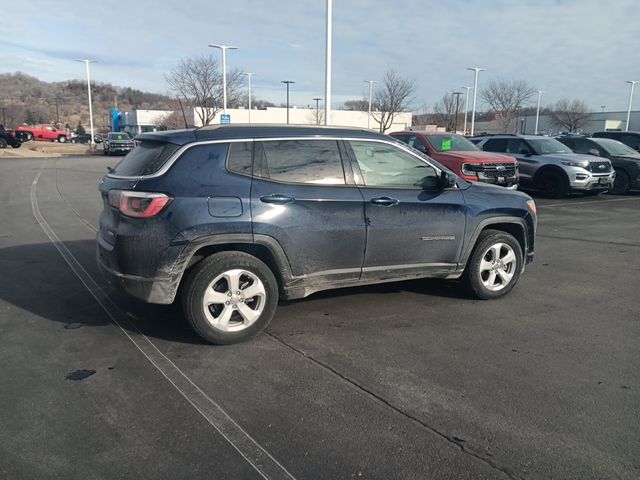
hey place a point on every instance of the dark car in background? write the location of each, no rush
(236, 217)
(625, 160)
(550, 167)
(117, 143)
(463, 158)
(8, 139)
(631, 139)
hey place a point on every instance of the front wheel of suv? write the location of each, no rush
(229, 297)
(494, 266)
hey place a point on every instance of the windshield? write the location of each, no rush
(450, 143)
(616, 148)
(119, 136)
(548, 145)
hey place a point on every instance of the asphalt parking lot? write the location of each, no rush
(405, 380)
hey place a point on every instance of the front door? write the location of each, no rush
(413, 225)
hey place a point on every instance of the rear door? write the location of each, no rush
(302, 198)
(410, 230)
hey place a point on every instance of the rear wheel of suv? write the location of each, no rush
(3, 143)
(621, 182)
(552, 184)
(229, 297)
(494, 266)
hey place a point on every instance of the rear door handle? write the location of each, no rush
(277, 199)
(385, 201)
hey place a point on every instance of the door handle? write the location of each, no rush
(277, 199)
(385, 201)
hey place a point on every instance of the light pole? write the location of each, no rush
(455, 120)
(317, 99)
(475, 95)
(287, 82)
(87, 62)
(466, 108)
(327, 68)
(633, 84)
(224, 49)
(370, 82)
(602, 107)
(248, 74)
(540, 92)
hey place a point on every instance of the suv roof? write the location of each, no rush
(224, 132)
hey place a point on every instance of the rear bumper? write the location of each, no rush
(160, 290)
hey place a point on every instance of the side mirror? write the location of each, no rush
(594, 152)
(447, 180)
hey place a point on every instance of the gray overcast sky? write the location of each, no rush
(582, 49)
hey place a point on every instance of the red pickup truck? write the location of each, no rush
(463, 158)
(44, 133)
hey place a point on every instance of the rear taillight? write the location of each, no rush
(138, 204)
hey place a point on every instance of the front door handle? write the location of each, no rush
(385, 201)
(277, 199)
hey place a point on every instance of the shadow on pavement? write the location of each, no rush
(36, 278)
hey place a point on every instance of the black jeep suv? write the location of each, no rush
(237, 216)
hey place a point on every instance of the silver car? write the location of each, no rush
(550, 167)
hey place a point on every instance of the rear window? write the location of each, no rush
(146, 159)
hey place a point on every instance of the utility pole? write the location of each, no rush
(4, 118)
(287, 82)
(57, 113)
(455, 120)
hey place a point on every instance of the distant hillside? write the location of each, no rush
(25, 99)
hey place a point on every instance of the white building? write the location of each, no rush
(139, 121)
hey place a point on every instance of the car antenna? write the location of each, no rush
(110, 169)
(183, 115)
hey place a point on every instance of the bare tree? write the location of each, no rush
(444, 111)
(506, 98)
(199, 81)
(572, 115)
(316, 116)
(390, 98)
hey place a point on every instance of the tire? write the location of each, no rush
(228, 315)
(552, 184)
(3, 143)
(16, 145)
(622, 183)
(494, 266)
(62, 139)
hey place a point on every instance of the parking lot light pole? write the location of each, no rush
(540, 92)
(248, 74)
(475, 96)
(224, 49)
(287, 82)
(466, 108)
(317, 99)
(633, 84)
(370, 82)
(87, 62)
(327, 66)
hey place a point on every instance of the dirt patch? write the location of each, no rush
(46, 149)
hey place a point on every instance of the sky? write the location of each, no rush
(582, 49)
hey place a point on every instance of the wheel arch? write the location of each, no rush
(514, 226)
(553, 169)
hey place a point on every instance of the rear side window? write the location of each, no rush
(239, 158)
(302, 161)
(146, 159)
(495, 145)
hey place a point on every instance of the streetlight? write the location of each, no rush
(540, 92)
(603, 107)
(466, 108)
(287, 82)
(87, 62)
(633, 84)
(317, 99)
(455, 121)
(224, 49)
(248, 74)
(370, 82)
(327, 68)
(475, 95)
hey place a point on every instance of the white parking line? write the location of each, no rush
(577, 204)
(267, 466)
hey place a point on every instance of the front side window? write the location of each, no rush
(302, 161)
(517, 146)
(384, 165)
(544, 146)
(615, 147)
